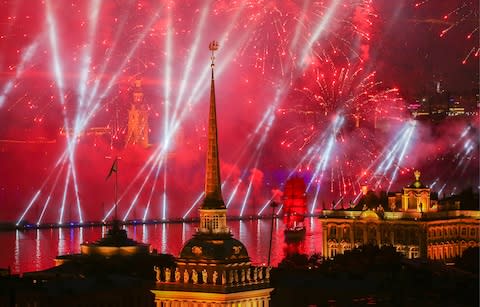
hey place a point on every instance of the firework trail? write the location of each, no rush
(459, 17)
(67, 85)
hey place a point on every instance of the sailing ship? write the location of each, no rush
(295, 207)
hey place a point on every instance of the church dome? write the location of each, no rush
(213, 247)
(417, 184)
(369, 215)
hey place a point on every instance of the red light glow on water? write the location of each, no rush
(34, 250)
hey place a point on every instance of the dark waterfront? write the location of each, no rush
(33, 250)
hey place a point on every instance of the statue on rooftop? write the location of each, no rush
(177, 275)
(167, 274)
(186, 277)
(215, 277)
(194, 276)
(204, 276)
(224, 278)
(267, 273)
(157, 275)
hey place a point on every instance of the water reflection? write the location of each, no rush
(80, 236)
(16, 265)
(144, 234)
(61, 241)
(36, 249)
(164, 238)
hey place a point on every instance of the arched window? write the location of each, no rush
(346, 233)
(333, 231)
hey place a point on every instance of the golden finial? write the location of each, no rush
(213, 46)
(138, 82)
(417, 175)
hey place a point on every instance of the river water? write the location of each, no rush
(35, 249)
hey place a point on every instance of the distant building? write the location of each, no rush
(138, 128)
(416, 225)
(441, 105)
(115, 243)
(213, 268)
(112, 271)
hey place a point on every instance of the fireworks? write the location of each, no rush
(67, 81)
(285, 35)
(460, 17)
(345, 90)
(335, 127)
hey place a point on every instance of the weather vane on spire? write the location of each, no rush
(213, 46)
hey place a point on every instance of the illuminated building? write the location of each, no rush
(137, 132)
(213, 268)
(114, 243)
(417, 226)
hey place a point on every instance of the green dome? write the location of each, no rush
(369, 214)
(417, 184)
(214, 247)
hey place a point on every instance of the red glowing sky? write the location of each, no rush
(54, 57)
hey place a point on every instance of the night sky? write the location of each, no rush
(291, 81)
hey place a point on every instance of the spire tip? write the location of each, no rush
(213, 46)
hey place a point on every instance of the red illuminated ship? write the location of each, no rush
(295, 207)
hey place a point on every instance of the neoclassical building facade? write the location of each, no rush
(417, 226)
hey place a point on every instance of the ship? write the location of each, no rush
(295, 207)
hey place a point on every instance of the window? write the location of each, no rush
(472, 232)
(414, 253)
(464, 231)
(333, 252)
(333, 231)
(359, 235)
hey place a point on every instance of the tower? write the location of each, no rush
(416, 197)
(213, 213)
(213, 268)
(137, 132)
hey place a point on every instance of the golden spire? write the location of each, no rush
(213, 193)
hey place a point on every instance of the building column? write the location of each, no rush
(324, 240)
(423, 241)
(352, 239)
(392, 235)
(365, 233)
(378, 235)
